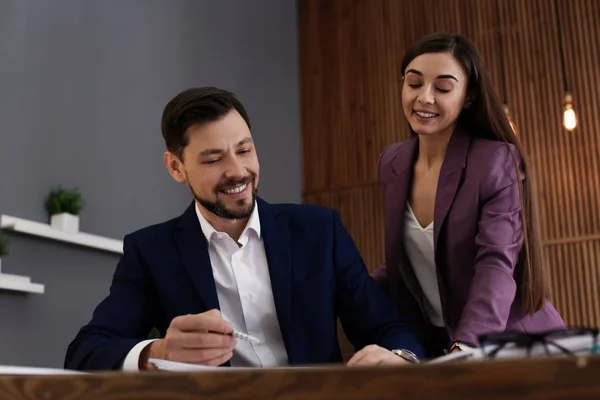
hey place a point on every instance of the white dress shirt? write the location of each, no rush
(418, 242)
(245, 295)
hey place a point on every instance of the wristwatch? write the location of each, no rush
(407, 355)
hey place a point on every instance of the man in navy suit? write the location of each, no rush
(232, 263)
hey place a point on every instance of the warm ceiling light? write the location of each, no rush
(569, 117)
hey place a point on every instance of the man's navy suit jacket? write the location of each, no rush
(317, 275)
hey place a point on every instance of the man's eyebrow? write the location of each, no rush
(210, 152)
(245, 141)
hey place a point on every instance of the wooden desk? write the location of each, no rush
(543, 379)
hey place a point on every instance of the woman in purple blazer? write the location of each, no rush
(463, 252)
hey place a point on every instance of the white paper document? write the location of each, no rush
(13, 370)
(165, 365)
(576, 345)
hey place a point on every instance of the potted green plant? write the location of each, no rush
(4, 247)
(63, 207)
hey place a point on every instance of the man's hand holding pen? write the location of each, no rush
(204, 339)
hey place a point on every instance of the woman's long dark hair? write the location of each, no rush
(485, 118)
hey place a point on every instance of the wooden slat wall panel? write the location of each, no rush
(576, 281)
(350, 54)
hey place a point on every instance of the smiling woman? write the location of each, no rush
(434, 94)
(463, 256)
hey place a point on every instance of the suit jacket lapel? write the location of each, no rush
(450, 178)
(192, 246)
(397, 196)
(276, 238)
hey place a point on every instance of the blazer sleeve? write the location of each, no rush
(123, 319)
(367, 315)
(380, 275)
(498, 242)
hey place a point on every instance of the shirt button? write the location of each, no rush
(247, 297)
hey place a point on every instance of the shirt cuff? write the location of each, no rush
(132, 360)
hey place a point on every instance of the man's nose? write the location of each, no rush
(235, 169)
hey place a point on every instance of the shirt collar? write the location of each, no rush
(209, 231)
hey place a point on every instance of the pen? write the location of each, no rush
(245, 337)
(240, 335)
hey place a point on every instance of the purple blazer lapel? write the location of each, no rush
(397, 196)
(395, 199)
(450, 177)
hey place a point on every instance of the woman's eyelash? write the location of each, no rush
(415, 85)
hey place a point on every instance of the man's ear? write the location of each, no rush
(175, 166)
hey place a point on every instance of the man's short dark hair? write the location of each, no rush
(196, 106)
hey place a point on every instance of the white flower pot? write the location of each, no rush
(65, 222)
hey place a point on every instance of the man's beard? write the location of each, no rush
(219, 209)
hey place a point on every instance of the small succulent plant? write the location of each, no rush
(62, 200)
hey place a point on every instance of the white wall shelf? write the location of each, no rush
(19, 283)
(44, 230)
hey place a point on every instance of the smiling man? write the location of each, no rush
(236, 281)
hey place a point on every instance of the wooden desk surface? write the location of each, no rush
(543, 379)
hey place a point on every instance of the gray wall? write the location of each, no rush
(82, 87)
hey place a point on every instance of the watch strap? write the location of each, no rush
(407, 355)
